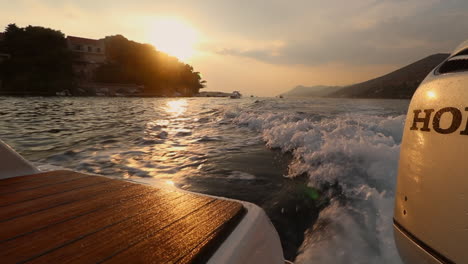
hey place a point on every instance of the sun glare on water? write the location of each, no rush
(176, 107)
(174, 37)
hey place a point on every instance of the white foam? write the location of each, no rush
(358, 152)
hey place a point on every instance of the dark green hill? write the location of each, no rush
(38, 61)
(400, 84)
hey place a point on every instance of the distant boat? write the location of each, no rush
(235, 95)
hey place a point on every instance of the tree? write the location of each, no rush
(161, 74)
(40, 62)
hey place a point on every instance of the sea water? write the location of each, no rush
(324, 170)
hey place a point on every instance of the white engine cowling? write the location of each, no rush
(431, 201)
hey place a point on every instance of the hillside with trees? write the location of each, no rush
(132, 62)
(39, 62)
(399, 84)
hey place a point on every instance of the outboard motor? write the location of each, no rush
(431, 201)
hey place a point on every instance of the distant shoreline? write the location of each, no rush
(142, 95)
(398, 84)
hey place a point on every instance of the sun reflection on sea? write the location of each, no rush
(166, 153)
(176, 107)
(170, 183)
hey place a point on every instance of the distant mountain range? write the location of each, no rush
(399, 84)
(311, 91)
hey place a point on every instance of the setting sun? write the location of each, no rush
(174, 37)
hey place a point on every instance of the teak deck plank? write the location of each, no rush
(131, 231)
(164, 247)
(38, 178)
(38, 243)
(96, 219)
(223, 223)
(23, 224)
(39, 204)
(44, 180)
(21, 196)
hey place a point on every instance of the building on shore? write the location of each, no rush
(90, 51)
(89, 54)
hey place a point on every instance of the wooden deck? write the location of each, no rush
(69, 217)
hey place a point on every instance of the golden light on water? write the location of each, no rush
(174, 37)
(176, 107)
(170, 183)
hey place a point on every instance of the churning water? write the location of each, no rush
(324, 170)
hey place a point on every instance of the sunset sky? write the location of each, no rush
(265, 47)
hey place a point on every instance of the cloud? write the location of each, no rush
(364, 32)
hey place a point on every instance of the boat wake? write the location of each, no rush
(351, 159)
